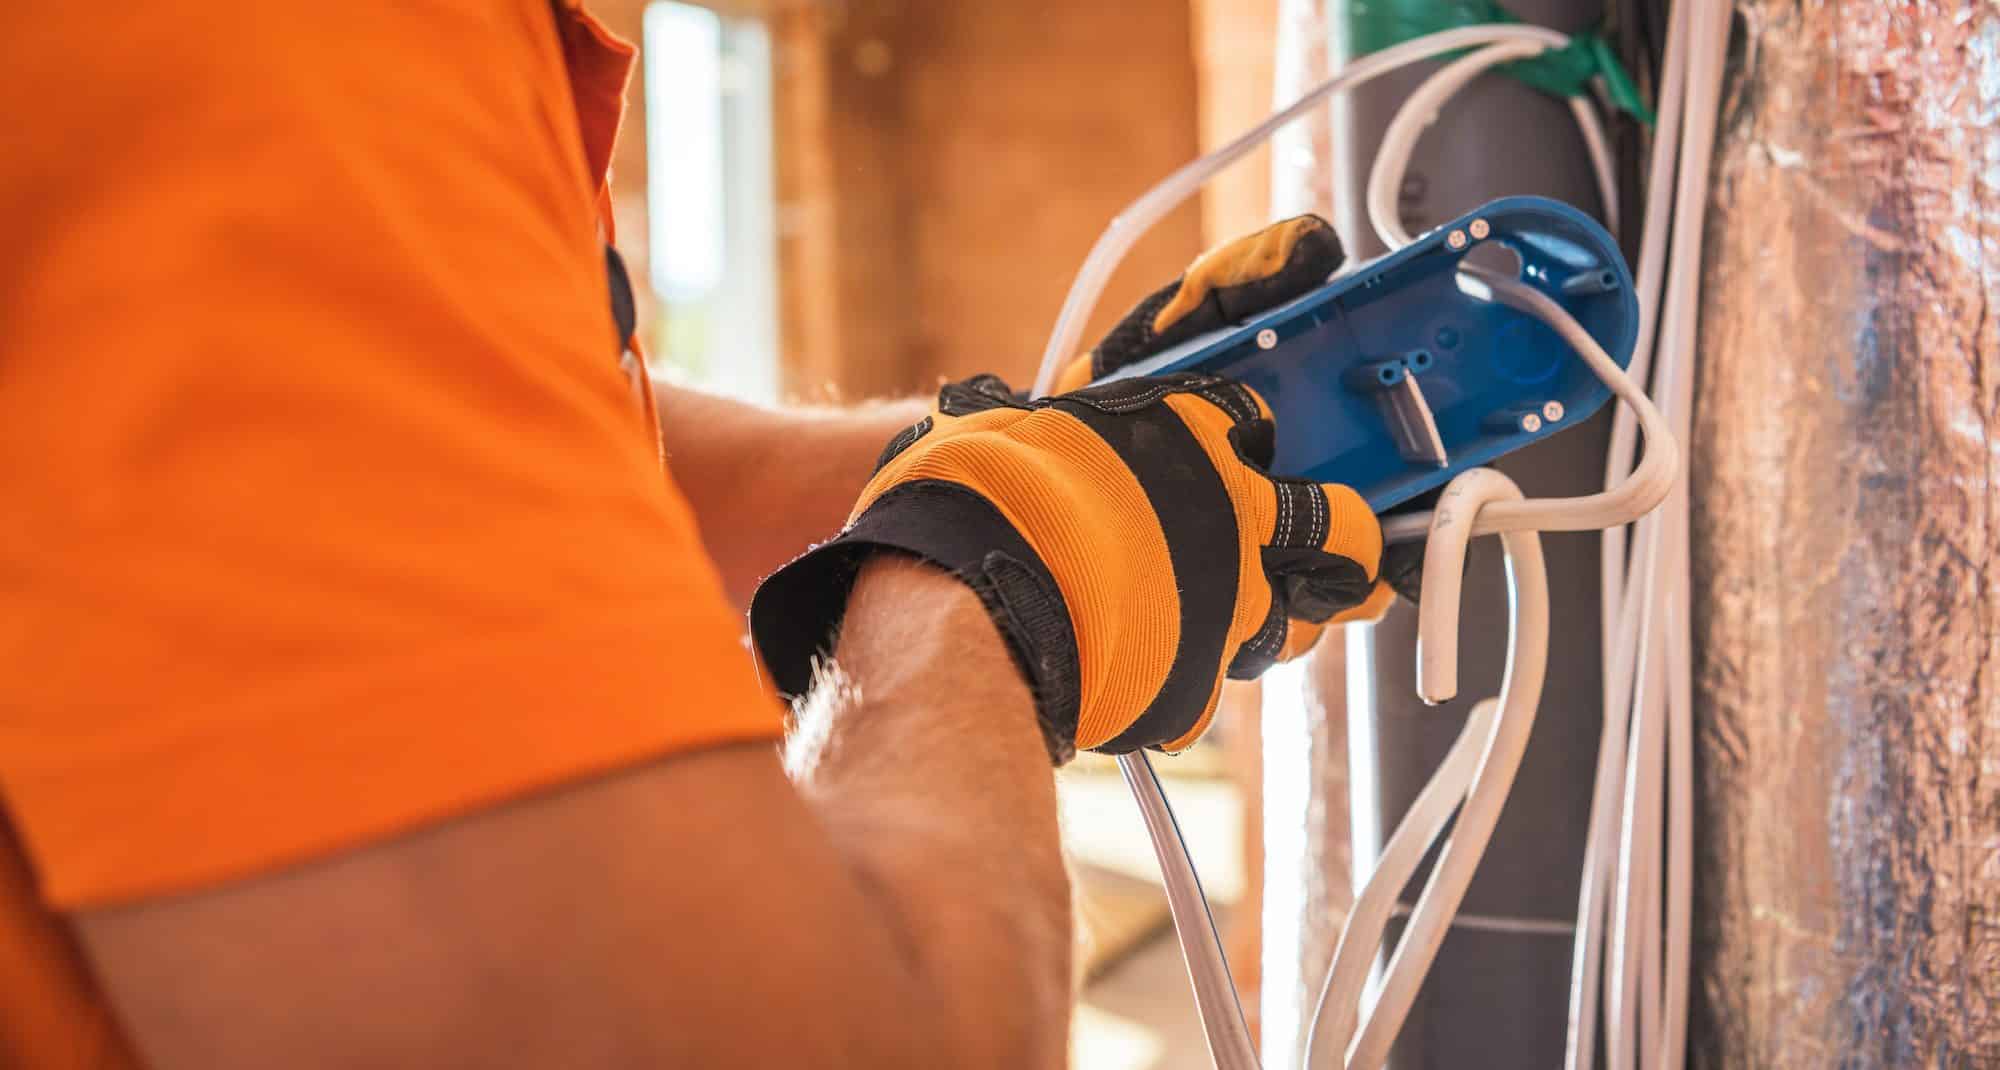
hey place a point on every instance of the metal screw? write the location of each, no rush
(1456, 239)
(1267, 338)
(1552, 411)
(1480, 229)
(1530, 422)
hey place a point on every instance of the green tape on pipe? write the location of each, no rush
(1565, 72)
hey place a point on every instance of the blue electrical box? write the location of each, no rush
(1392, 378)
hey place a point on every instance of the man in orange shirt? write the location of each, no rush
(371, 699)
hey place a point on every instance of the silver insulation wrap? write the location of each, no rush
(1846, 544)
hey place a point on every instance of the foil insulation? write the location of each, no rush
(1846, 544)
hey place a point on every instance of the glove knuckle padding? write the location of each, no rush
(943, 437)
(1321, 550)
(1248, 275)
(1228, 283)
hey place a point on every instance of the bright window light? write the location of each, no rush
(711, 201)
(683, 49)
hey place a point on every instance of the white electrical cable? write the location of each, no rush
(1215, 997)
(1361, 938)
(1647, 1010)
(1599, 151)
(1637, 494)
(1712, 32)
(1491, 777)
(1665, 558)
(1437, 666)
(1331, 1030)
(1421, 109)
(1065, 341)
(1520, 694)
(1399, 141)
(1398, 144)
(1199, 944)
(1619, 629)
(1645, 975)
(1637, 844)
(1385, 180)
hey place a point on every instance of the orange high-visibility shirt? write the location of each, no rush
(329, 510)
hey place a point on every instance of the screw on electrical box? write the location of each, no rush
(1267, 338)
(1456, 239)
(1511, 420)
(1552, 411)
(1480, 229)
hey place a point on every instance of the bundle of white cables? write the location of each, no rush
(1645, 602)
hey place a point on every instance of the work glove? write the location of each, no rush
(1126, 537)
(1224, 286)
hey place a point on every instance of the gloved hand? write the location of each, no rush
(1229, 284)
(1225, 285)
(1125, 537)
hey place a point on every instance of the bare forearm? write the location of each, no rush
(904, 905)
(901, 903)
(766, 483)
(960, 840)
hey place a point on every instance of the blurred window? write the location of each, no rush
(710, 200)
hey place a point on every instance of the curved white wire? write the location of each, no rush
(1207, 964)
(1339, 1000)
(1065, 341)
(1621, 504)
(1647, 483)
(1640, 493)
(1421, 109)
(1520, 694)
(1599, 150)
(1437, 678)
(1655, 472)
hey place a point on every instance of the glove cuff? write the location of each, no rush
(796, 611)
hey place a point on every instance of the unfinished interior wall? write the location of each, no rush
(1846, 582)
(1235, 58)
(943, 169)
(843, 244)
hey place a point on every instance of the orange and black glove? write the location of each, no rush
(1226, 285)
(1125, 537)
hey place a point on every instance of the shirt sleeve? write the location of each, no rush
(330, 512)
